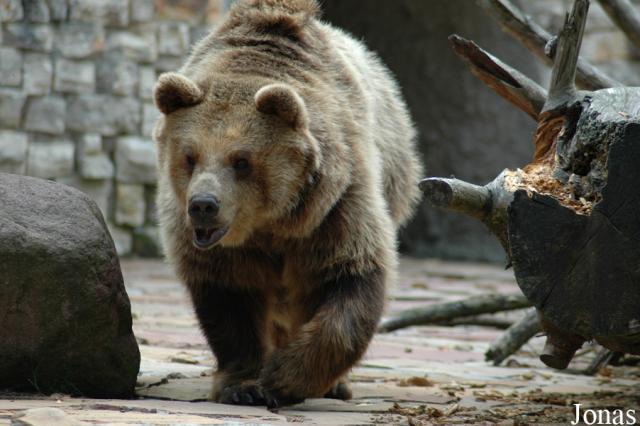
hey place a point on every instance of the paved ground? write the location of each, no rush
(417, 376)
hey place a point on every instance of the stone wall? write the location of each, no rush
(76, 79)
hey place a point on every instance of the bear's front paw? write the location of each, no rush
(244, 393)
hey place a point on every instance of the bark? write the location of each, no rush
(514, 338)
(450, 310)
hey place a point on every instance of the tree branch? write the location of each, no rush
(513, 339)
(562, 89)
(446, 311)
(457, 195)
(625, 16)
(534, 38)
(508, 82)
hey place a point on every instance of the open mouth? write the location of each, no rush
(207, 237)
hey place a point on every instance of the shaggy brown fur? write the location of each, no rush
(301, 137)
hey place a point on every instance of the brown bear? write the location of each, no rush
(287, 162)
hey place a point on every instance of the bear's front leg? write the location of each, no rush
(233, 321)
(344, 315)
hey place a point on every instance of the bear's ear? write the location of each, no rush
(174, 91)
(282, 101)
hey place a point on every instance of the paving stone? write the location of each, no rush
(45, 416)
(46, 115)
(28, 36)
(104, 114)
(13, 151)
(142, 10)
(139, 48)
(10, 67)
(135, 160)
(173, 38)
(74, 76)
(130, 209)
(37, 71)
(150, 115)
(118, 75)
(146, 82)
(79, 39)
(11, 105)
(36, 11)
(11, 10)
(58, 9)
(50, 158)
(109, 12)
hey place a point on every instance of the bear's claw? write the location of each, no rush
(243, 394)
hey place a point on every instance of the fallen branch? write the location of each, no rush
(446, 311)
(513, 339)
(508, 82)
(481, 321)
(535, 38)
(457, 195)
(601, 360)
(625, 16)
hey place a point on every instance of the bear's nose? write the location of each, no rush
(203, 208)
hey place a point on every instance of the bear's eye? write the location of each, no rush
(191, 160)
(241, 164)
(242, 167)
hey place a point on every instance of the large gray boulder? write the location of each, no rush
(65, 317)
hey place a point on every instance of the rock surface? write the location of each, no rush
(65, 314)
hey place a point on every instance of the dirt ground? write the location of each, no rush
(416, 376)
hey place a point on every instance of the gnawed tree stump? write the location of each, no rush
(570, 220)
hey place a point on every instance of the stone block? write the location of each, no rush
(142, 10)
(103, 114)
(10, 67)
(58, 9)
(147, 241)
(11, 105)
(168, 63)
(173, 38)
(135, 160)
(11, 10)
(146, 82)
(118, 75)
(36, 11)
(46, 115)
(50, 158)
(28, 36)
(130, 209)
(74, 76)
(13, 151)
(80, 39)
(139, 48)
(108, 12)
(93, 162)
(122, 239)
(150, 115)
(37, 74)
(98, 190)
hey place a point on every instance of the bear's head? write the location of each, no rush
(238, 154)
